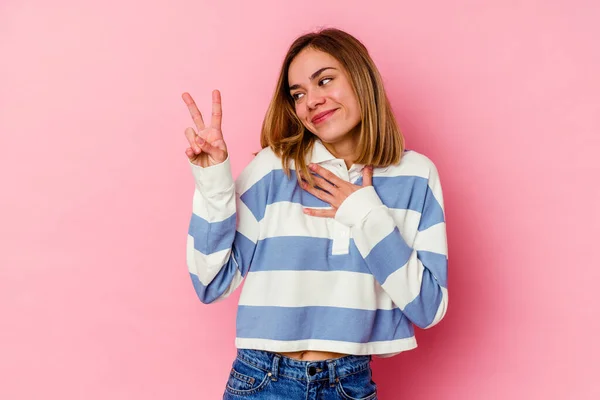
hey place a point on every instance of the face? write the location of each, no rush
(323, 96)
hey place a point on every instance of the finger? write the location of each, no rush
(213, 151)
(320, 212)
(325, 184)
(318, 193)
(331, 177)
(317, 181)
(217, 111)
(194, 112)
(190, 153)
(191, 136)
(368, 175)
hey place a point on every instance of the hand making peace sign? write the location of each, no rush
(207, 147)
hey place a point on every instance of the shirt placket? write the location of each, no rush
(340, 232)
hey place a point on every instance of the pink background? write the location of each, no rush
(95, 298)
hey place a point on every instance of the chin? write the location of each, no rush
(331, 137)
(335, 132)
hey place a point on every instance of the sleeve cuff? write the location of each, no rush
(357, 206)
(214, 179)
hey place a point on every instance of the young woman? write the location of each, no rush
(338, 231)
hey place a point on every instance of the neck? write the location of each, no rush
(344, 149)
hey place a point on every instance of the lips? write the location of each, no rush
(322, 116)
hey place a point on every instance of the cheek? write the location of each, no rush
(352, 103)
(344, 95)
(355, 107)
(299, 113)
(337, 95)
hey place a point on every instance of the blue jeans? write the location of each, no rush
(263, 375)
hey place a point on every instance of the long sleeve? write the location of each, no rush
(222, 234)
(414, 276)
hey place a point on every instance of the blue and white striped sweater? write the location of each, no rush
(355, 284)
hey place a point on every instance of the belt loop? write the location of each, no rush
(331, 368)
(275, 367)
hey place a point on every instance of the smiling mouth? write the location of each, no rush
(323, 117)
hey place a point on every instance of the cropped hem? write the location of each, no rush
(382, 349)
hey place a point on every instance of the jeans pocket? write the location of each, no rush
(245, 379)
(358, 386)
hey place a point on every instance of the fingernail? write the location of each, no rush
(200, 140)
(312, 166)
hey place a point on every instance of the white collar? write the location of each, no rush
(320, 153)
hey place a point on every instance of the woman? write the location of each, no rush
(338, 231)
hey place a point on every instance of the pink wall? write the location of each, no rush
(95, 298)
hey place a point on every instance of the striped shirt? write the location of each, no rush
(353, 284)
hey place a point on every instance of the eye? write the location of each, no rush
(296, 96)
(325, 79)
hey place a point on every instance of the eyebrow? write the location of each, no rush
(313, 76)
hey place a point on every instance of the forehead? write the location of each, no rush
(307, 62)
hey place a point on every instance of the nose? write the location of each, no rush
(314, 99)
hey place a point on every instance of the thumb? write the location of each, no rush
(368, 175)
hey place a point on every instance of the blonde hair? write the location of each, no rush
(380, 141)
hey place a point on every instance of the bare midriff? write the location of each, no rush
(312, 355)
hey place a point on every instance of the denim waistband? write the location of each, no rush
(279, 365)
